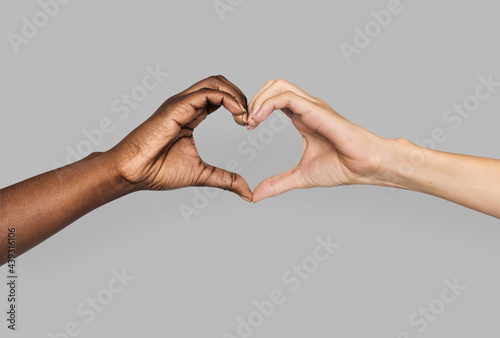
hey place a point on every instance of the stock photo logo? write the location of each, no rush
(30, 27)
(292, 280)
(223, 7)
(121, 107)
(89, 309)
(455, 116)
(249, 149)
(421, 320)
(363, 37)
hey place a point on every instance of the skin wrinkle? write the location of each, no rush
(197, 179)
(160, 154)
(338, 152)
(233, 179)
(205, 168)
(45, 204)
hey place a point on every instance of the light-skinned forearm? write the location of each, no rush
(470, 181)
(43, 205)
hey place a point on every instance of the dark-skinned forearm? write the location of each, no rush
(43, 205)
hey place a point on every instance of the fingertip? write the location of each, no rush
(237, 109)
(259, 193)
(253, 120)
(233, 105)
(240, 120)
(255, 200)
(256, 115)
(247, 199)
(241, 188)
(243, 109)
(277, 185)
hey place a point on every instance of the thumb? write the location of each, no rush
(219, 178)
(278, 184)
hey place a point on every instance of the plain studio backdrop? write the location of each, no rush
(198, 274)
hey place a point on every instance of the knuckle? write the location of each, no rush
(281, 82)
(213, 81)
(289, 97)
(205, 91)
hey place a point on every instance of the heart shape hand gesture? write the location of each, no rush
(161, 153)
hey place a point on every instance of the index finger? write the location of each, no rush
(309, 112)
(221, 83)
(191, 105)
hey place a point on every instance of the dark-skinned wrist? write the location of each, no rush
(110, 176)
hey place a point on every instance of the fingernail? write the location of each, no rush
(257, 113)
(246, 199)
(245, 121)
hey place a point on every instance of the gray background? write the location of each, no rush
(194, 280)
